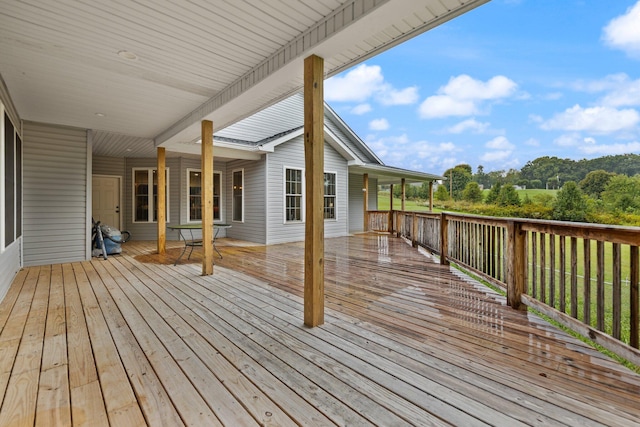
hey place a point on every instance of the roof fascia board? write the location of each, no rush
(354, 137)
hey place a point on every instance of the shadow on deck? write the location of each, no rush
(132, 340)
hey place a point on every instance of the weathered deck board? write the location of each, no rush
(406, 342)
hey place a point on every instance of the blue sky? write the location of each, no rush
(506, 83)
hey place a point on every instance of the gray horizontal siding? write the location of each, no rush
(186, 164)
(356, 201)
(114, 166)
(291, 155)
(55, 194)
(253, 229)
(9, 266)
(149, 230)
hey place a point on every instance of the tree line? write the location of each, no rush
(610, 196)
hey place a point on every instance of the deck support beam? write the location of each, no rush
(314, 181)
(404, 194)
(207, 197)
(162, 201)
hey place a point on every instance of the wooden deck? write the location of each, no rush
(134, 340)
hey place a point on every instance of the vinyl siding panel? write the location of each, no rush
(9, 266)
(149, 230)
(114, 166)
(253, 228)
(55, 194)
(356, 201)
(291, 155)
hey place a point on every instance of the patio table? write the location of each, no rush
(190, 241)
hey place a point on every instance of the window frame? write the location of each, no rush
(220, 218)
(150, 198)
(335, 196)
(233, 196)
(286, 195)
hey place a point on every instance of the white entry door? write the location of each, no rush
(106, 200)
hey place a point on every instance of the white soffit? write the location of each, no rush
(154, 69)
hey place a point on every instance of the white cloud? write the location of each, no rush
(361, 109)
(365, 82)
(495, 156)
(595, 119)
(379, 124)
(568, 140)
(356, 85)
(612, 149)
(499, 143)
(532, 142)
(501, 150)
(623, 32)
(444, 106)
(627, 94)
(469, 125)
(417, 155)
(589, 140)
(464, 96)
(390, 96)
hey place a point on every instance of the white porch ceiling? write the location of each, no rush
(202, 59)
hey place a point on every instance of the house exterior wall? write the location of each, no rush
(291, 155)
(114, 166)
(149, 230)
(55, 194)
(253, 228)
(187, 164)
(356, 201)
(10, 256)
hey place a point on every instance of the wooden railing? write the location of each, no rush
(584, 276)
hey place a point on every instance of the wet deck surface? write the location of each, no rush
(134, 340)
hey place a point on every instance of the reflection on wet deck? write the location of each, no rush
(134, 340)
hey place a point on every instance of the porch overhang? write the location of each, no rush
(154, 71)
(386, 175)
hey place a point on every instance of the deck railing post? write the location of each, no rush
(414, 230)
(516, 264)
(444, 239)
(390, 226)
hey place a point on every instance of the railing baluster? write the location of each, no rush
(574, 277)
(543, 267)
(563, 266)
(586, 314)
(600, 283)
(552, 270)
(634, 295)
(534, 264)
(617, 290)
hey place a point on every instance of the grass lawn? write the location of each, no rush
(409, 205)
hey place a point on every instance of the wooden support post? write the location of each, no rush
(314, 181)
(430, 196)
(390, 226)
(444, 239)
(404, 195)
(162, 201)
(207, 197)
(634, 277)
(516, 264)
(365, 195)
